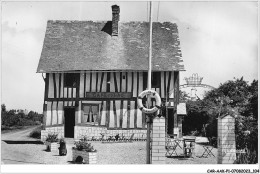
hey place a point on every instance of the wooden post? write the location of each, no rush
(176, 96)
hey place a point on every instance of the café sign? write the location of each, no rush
(108, 95)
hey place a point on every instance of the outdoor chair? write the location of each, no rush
(204, 141)
(177, 140)
(171, 146)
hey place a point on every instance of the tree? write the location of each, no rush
(183, 96)
(239, 98)
(253, 100)
(196, 117)
(235, 97)
(3, 108)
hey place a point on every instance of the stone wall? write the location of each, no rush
(80, 131)
(94, 131)
(158, 141)
(226, 140)
(59, 130)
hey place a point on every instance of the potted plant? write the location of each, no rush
(84, 152)
(62, 148)
(51, 142)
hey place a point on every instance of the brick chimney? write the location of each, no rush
(115, 19)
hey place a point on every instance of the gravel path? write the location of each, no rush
(15, 151)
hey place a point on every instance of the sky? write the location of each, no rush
(219, 40)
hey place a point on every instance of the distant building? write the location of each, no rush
(194, 88)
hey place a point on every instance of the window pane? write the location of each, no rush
(71, 79)
(156, 79)
(94, 109)
(95, 118)
(90, 117)
(86, 109)
(86, 117)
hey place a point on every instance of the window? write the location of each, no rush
(90, 113)
(71, 80)
(156, 80)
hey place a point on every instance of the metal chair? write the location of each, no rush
(171, 146)
(204, 141)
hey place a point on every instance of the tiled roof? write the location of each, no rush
(88, 45)
(181, 109)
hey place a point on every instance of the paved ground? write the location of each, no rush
(18, 148)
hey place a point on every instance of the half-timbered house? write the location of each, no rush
(94, 71)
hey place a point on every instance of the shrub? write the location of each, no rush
(249, 157)
(52, 138)
(83, 145)
(3, 127)
(36, 133)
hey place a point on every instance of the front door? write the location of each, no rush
(69, 114)
(170, 120)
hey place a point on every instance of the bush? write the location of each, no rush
(83, 145)
(249, 157)
(3, 127)
(36, 133)
(212, 128)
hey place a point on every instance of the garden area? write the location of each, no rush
(234, 97)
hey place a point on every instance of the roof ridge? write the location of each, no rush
(98, 21)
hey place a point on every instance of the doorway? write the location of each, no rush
(170, 122)
(69, 114)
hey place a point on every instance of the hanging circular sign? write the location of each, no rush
(153, 94)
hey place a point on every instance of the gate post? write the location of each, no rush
(158, 141)
(226, 140)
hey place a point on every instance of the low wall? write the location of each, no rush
(80, 131)
(94, 131)
(58, 130)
